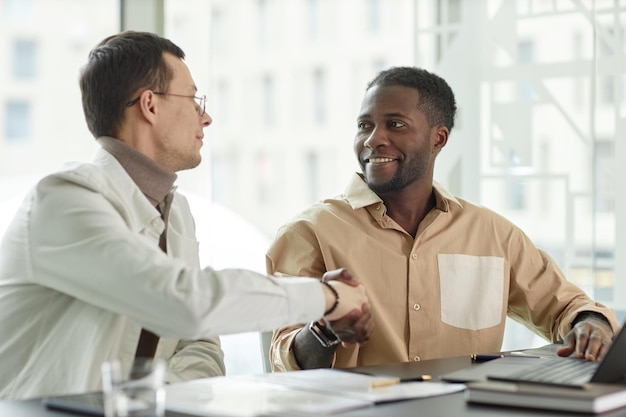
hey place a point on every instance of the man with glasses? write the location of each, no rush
(101, 259)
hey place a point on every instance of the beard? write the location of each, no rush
(405, 175)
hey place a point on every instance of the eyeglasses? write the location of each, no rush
(200, 101)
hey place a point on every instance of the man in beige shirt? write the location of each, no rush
(441, 273)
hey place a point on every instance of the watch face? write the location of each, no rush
(323, 334)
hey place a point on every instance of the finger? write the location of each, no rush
(565, 351)
(347, 277)
(599, 342)
(582, 340)
(569, 345)
(341, 274)
(603, 351)
(593, 346)
(358, 331)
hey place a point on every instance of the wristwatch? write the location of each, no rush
(323, 334)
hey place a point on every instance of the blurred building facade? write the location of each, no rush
(540, 87)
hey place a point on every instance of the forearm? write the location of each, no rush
(196, 359)
(309, 353)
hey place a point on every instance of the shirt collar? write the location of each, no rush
(154, 181)
(359, 195)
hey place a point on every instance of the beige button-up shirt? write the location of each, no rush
(444, 293)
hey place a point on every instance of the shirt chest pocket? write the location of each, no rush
(471, 290)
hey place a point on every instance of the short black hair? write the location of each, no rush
(436, 99)
(121, 65)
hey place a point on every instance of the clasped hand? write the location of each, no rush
(352, 321)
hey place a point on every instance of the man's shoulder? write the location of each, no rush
(75, 172)
(108, 179)
(481, 214)
(330, 207)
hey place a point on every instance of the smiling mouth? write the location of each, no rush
(379, 160)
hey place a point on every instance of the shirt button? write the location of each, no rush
(416, 307)
(156, 222)
(414, 255)
(417, 359)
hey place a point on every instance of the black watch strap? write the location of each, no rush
(323, 334)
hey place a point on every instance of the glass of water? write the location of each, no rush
(134, 388)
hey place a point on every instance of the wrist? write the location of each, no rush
(591, 316)
(323, 333)
(334, 294)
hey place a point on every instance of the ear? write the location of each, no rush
(439, 138)
(148, 106)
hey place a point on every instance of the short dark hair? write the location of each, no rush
(436, 99)
(118, 67)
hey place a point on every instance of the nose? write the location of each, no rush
(206, 119)
(377, 137)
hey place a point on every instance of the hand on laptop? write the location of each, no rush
(589, 339)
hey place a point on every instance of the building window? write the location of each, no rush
(604, 176)
(313, 170)
(319, 94)
(264, 23)
(373, 16)
(17, 10)
(18, 121)
(526, 56)
(313, 16)
(269, 98)
(517, 194)
(218, 36)
(24, 59)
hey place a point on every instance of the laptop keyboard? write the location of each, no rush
(557, 371)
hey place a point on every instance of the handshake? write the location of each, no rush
(347, 311)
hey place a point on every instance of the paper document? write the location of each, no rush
(297, 393)
(239, 397)
(372, 388)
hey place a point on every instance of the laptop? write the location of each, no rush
(559, 371)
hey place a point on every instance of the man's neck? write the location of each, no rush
(409, 209)
(153, 180)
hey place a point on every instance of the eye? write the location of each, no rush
(362, 125)
(395, 124)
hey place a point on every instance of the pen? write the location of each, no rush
(484, 358)
(416, 378)
(395, 381)
(384, 383)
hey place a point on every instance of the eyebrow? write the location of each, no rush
(387, 115)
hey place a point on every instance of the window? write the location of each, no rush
(373, 15)
(24, 59)
(526, 56)
(269, 97)
(18, 121)
(313, 19)
(17, 10)
(264, 24)
(312, 174)
(319, 93)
